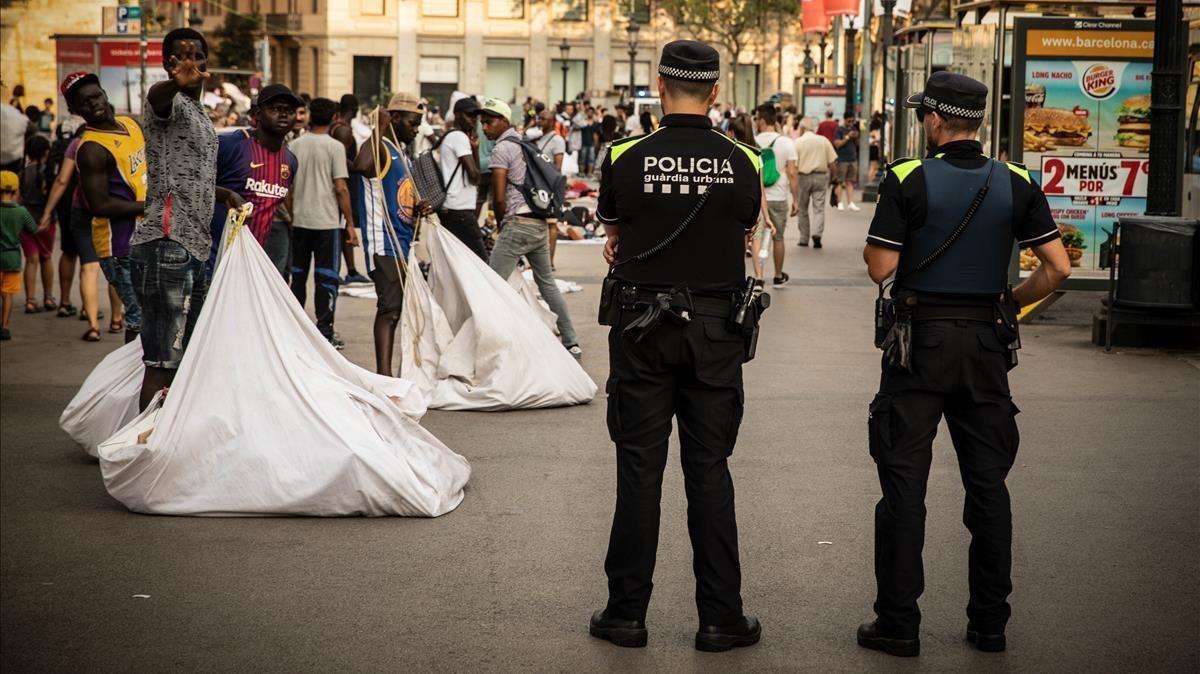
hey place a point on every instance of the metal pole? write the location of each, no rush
(850, 34)
(142, 46)
(633, 28)
(885, 35)
(1165, 190)
(998, 80)
(824, 42)
(868, 72)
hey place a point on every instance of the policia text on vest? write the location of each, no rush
(677, 205)
(945, 226)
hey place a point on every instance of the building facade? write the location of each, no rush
(508, 49)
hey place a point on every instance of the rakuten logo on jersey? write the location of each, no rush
(263, 188)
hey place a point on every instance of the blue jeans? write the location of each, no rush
(117, 271)
(170, 284)
(530, 237)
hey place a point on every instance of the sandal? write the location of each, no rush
(116, 326)
(66, 310)
(32, 307)
(83, 315)
(49, 303)
(92, 335)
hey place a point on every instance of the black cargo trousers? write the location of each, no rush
(958, 369)
(692, 373)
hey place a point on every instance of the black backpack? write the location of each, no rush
(544, 189)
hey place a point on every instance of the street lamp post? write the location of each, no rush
(851, 33)
(823, 43)
(633, 35)
(885, 34)
(563, 50)
(1167, 94)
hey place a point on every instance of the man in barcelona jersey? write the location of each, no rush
(256, 164)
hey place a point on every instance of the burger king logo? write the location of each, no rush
(1099, 81)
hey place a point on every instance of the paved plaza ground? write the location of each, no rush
(1106, 498)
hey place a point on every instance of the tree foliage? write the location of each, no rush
(236, 48)
(731, 24)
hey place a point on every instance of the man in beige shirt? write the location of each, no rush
(815, 158)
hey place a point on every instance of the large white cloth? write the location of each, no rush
(107, 400)
(472, 342)
(266, 418)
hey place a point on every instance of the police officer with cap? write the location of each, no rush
(677, 205)
(945, 227)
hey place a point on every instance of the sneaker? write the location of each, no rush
(337, 343)
(841, 206)
(356, 278)
(854, 206)
(802, 243)
(817, 242)
(5, 335)
(575, 351)
(781, 281)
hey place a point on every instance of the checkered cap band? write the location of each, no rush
(696, 75)
(953, 110)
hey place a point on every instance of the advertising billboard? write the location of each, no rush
(1082, 126)
(822, 98)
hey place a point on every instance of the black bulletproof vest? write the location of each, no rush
(977, 263)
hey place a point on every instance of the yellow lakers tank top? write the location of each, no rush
(128, 181)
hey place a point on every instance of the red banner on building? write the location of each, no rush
(75, 52)
(128, 54)
(841, 7)
(813, 17)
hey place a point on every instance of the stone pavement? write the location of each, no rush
(1105, 493)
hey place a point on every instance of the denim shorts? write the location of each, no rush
(170, 285)
(117, 272)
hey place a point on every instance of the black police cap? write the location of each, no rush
(690, 60)
(951, 94)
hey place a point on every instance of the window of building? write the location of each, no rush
(576, 79)
(373, 7)
(638, 9)
(293, 57)
(439, 8)
(641, 75)
(505, 78)
(745, 85)
(569, 10)
(439, 79)
(372, 78)
(506, 9)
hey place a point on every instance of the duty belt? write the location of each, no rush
(925, 312)
(633, 297)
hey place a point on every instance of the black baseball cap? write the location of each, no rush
(468, 106)
(275, 91)
(951, 94)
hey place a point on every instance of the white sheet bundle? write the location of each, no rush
(472, 342)
(266, 418)
(107, 400)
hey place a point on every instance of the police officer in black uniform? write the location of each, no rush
(677, 205)
(949, 247)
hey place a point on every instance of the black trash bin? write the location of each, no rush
(1159, 261)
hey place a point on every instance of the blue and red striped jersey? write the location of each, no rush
(261, 176)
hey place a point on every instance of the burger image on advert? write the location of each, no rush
(1133, 123)
(1052, 127)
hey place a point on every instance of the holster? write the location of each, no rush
(610, 304)
(893, 327)
(1007, 328)
(745, 314)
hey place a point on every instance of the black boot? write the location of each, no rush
(987, 643)
(717, 638)
(627, 633)
(869, 636)
(816, 242)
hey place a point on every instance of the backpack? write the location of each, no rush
(544, 189)
(427, 176)
(770, 170)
